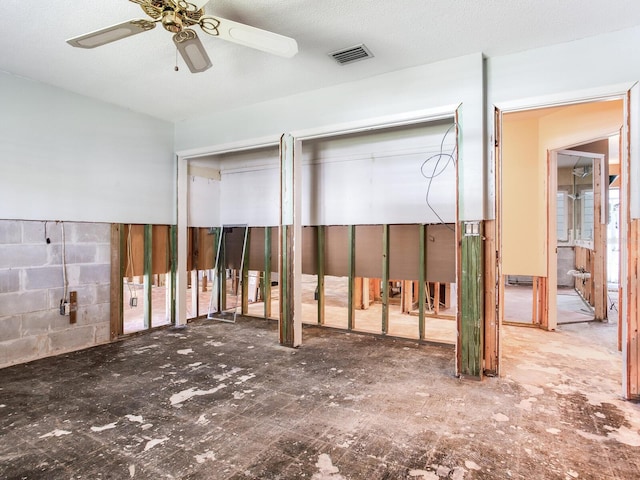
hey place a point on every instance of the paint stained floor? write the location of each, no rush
(225, 401)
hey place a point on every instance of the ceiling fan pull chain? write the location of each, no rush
(176, 67)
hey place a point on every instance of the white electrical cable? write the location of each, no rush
(438, 157)
(64, 265)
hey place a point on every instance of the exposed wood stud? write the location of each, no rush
(245, 274)
(491, 325)
(266, 284)
(195, 249)
(385, 278)
(620, 218)
(407, 296)
(633, 309)
(436, 298)
(116, 325)
(471, 281)
(148, 270)
(321, 268)
(599, 272)
(290, 261)
(352, 274)
(422, 276)
(534, 304)
(286, 294)
(222, 274)
(173, 266)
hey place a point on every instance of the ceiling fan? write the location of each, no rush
(177, 16)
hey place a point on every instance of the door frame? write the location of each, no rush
(552, 249)
(629, 93)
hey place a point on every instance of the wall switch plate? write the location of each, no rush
(133, 302)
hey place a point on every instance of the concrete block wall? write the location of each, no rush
(31, 287)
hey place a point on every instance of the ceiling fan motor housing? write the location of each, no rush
(171, 20)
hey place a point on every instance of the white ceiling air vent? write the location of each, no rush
(351, 54)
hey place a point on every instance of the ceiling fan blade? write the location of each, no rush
(250, 36)
(199, 3)
(192, 50)
(111, 34)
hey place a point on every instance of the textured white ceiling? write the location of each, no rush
(138, 72)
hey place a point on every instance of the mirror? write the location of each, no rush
(575, 200)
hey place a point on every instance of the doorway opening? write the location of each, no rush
(557, 236)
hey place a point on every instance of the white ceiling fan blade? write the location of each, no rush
(251, 36)
(111, 34)
(199, 3)
(192, 50)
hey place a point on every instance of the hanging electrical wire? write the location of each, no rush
(65, 280)
(450, 158)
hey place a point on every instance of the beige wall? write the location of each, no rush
(523, 214)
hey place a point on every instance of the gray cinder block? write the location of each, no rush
(73, 338)
(10, 327)
(9, 281)
(10, 232)
(20, 302)
(43, 277)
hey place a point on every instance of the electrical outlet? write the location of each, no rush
(65, 309)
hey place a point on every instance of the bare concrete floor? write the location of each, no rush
(225, 401)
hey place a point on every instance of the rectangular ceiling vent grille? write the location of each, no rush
(351, 54)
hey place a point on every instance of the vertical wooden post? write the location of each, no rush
(407, 296)
(148, 270)
(181, 241)
(365, 290)
(195, 287)
(173, 264)
(266, 284)
(422, 279)
(436, 298)
(321, 244)
(491, 329)
(116, 325)
(385, 279)
(534, 313)
(358, 302)
(352, 274)
(633, 309)
(290, 269)
(599, 273)
(471, 300)
(245, 275)
(222, 274)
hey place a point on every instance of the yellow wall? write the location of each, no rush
(526, 139)
(523, 215)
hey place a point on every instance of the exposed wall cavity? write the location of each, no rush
(32, 285)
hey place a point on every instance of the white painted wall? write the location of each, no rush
(444, 83)
(375, 177)
(68, 157)
(203, 209)
(367, 178)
